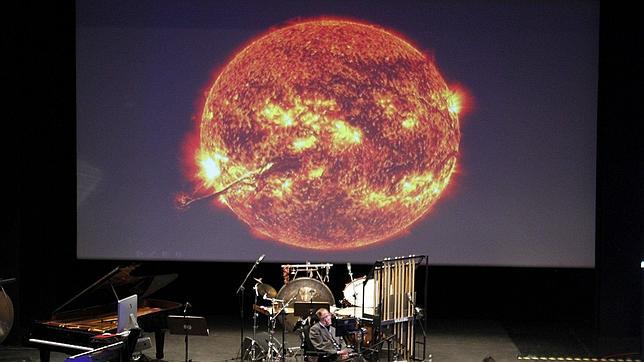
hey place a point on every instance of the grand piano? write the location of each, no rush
(73, 329)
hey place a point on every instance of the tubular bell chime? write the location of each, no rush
(395, 297)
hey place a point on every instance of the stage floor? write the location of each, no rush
(455, 340)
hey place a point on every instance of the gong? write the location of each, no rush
(304, 290)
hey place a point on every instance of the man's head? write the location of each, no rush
(324, 316)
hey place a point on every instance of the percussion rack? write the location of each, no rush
(308, 268)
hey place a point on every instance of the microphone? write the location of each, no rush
(408, 295)
(185, 307)
(259, 260)
(418, 311)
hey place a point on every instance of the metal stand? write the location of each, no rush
(272, 320)
(188, 325)
(311, 270)
(395, 311)
(251, 352)
(273, 353)
(418, 319)
(240, 292)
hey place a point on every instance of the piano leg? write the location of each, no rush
(159, 338)
(44, 355)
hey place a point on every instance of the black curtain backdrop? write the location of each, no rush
(38, 244)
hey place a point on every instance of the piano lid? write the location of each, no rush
(121, 282)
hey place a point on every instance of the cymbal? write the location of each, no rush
(263, 288)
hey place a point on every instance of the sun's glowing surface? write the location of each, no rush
(328, 134)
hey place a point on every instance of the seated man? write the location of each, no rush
(322, 336)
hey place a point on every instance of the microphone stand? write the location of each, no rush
(240, 291)
(355, 305)
(355, 293)
(418, 315)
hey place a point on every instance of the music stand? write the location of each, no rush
(188, 325)
(306, 309)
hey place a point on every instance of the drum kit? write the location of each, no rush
(307, 288)
(268, 348)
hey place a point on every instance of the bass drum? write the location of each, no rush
(303, 290)
(354, 292)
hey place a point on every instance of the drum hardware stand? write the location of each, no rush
(273, 352)
(272, 321)
(240, 292)
(251, 351)
(273, 300)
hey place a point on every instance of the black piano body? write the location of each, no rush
(73, 331)
(81, 342)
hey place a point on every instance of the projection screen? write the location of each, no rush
(337, 131)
